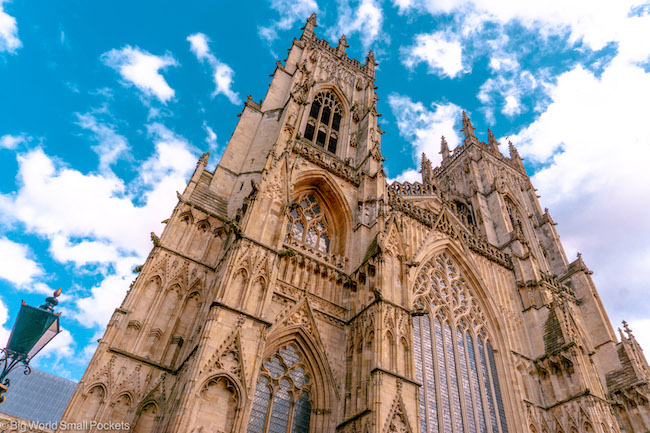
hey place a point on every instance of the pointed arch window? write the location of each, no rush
(324, 121)
(282, 402)
(308, 223)
(513, 214)
(454, 357)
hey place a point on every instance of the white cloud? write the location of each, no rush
(11, 141)
(111, 228)
(59, 347)
(110, 145)
(411, 175)
(367, 20)
(440, 51)
(211, 138)
(4, 318)
(9, 40)
(96, 309)
(15, 264)
(595, 22)
(507, 90)
(594, 144)
(290, 11)
(423, 127)
(222, 74)
(143, 70)
(84, 252)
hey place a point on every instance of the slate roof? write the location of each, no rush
(39, 396)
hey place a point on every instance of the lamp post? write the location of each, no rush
(34, 328)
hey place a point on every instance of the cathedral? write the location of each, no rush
(293, 290)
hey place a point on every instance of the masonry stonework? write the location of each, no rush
(294, 290)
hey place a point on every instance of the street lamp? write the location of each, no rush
(34, 328)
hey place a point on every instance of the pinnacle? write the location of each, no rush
(444, 147)
(513, 150)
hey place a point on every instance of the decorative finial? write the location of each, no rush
(492, 141)
(308, 29)
(444, 148)
(628, 331)
(203, 160)
(513, 150)
(340, 48)
(312, 19)
(51, 301)
(468, 130)
(426, 170)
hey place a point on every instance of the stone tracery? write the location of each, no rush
(282, 401)
(454, 358)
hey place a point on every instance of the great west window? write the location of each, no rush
(324, 121)
(454, 358)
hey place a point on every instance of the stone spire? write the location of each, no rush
(468, 130)
(493, 144)
(308, 29)
(343, 44)
(444, 148)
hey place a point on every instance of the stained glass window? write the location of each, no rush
(281, 395)
(308, 224)
(467, 392)
(454, 360)
(324, 121)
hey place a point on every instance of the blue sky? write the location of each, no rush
(105, 107)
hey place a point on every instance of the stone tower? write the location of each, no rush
(293, 290)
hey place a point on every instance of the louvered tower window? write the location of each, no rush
(324, 121)
(282, 397)
(454, 358)
(308, 223)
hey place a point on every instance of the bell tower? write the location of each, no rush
(240, 317)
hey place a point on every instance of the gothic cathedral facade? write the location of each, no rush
(294, 290)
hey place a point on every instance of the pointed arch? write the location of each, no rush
(472, 276)
(255, 298)
(465, 334)
(185, 323)
(397, 420)
(325, 390)
(332, 200)
(514, 211)
(295, 390)
(404, 358)
(324, 120)
(216, 409)
(235, 290)
(390, 352)
(94, 400)
(146, 417)
(325, 87)
(120, 407)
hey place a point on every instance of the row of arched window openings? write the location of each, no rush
(324, 121)
(458, 373)
(282, 401)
